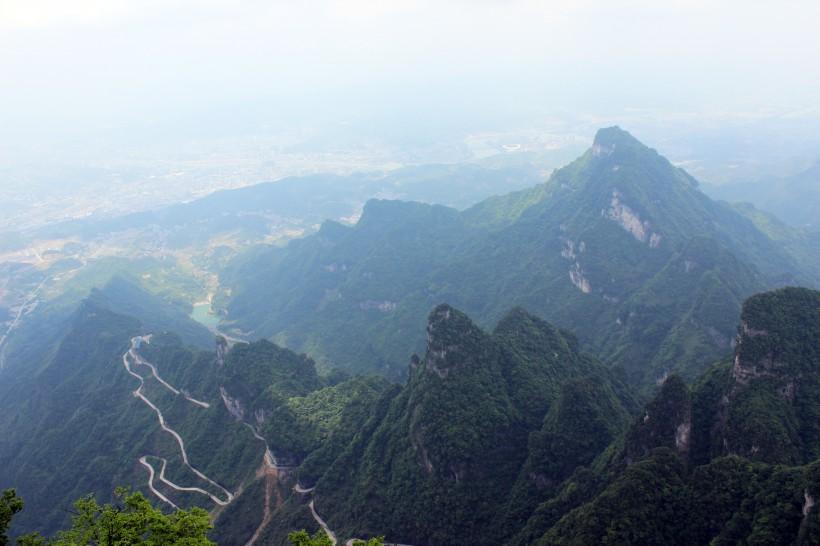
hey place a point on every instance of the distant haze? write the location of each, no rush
(94, 64)
(106, 83)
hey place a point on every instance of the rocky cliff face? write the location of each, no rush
(772, 403)
(777, 337)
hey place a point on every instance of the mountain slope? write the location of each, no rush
(794, 199)
(74, 426)
(301, 201)
(771, 411)
(117, 401)
(452, 442)
(618, 240)
(734, 460)
(510, 437)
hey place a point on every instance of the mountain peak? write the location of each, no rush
(381, 214)
(452, 338)
(769, 342)
(445, 321)
(608, 139)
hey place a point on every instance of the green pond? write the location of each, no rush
(203, 315)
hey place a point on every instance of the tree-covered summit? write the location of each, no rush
(456, 442)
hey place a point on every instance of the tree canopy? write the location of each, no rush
(132, 520)
(10, 504)
(320, 538)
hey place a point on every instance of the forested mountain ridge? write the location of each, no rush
(769, 409)
(733, 460)
(452, 457)
(486, 425)
(619, 246)
(514, 437)
(510, 437)
(300, 201)
(117, 400)
(508, 429)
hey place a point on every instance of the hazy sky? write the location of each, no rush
(75, 67)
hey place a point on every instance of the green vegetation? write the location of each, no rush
(510, 437)
(131, 520)
(302, 538)
(508, 430)
(78, 388)
(517, 438)
(619, 247)
(320, 538)
(296, 409)
(643, 506)
(461, 438)
(10, 504)
(774, 412)
(578, 428)
(82, 391)
(728, 501)
(665, 422)
(679, 488)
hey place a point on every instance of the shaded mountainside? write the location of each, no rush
(733, 460)
(508, 430)
(487, 424)
(619, 246)
(516, 438)
(75, 424)
(770, 411)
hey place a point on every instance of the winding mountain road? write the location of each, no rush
(141, 361)
(330, 534)
(151, 473)
(269, 470)
(176, 487)
(299, 489)
(132, 355)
